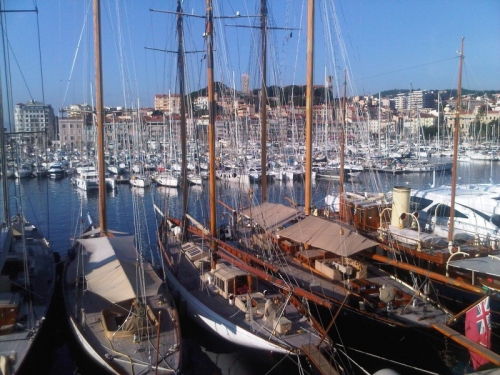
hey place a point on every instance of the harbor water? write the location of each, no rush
(57, 208)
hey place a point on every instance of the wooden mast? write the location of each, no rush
(456, 135)
(263, 99)
(342, 137)
(211, 131)
(309, 105)
(101, 167)
(182, 92)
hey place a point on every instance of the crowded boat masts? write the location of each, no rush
(295, 275)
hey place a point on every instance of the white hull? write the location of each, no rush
(85, 184)
(140, 181)
(209, 319)
(22, 173)
(169, 181)
(195, 180)
(233, 177)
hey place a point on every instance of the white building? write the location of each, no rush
(35, 118)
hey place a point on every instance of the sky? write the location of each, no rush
(381, 44)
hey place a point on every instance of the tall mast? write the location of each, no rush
(211, 130)
(455, 151)
(309, 105)
(439, 125)
(182, 93)
(101, 167)
(263, 98)
(342, 137)
(5, 191)
(379, 123)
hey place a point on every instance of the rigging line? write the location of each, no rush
(118, 39)
(17, 62)
(392, 361)
(43, 99)
(76, 54)
(134, 70)
(8, 78)
(407, 68)
(40, 56)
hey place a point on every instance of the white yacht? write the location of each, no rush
(477, 211)
(168, 179)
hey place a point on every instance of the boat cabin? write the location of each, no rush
(230, 280)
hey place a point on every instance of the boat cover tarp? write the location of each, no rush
(486, 265)
(111, 269)
(270, 215)
(326, 235)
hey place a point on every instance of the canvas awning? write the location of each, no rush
(326, 235)
(271, 215)
(487, 265)
(111, 269)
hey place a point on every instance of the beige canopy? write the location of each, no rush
(271, 215)
(111, 269)
(326, 235)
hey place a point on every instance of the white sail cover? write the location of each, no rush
(271, 215)
(112, 269)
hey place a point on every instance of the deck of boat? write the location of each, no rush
(190, 277)
(41, 268)
(418, 313)
(129, 353)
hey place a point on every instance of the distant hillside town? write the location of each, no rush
(387, 115)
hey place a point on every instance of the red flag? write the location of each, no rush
(478, 329)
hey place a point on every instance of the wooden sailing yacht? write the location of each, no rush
(119, 309)
(408, 247)
(323, 256)
(220, 292)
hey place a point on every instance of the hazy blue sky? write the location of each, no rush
(384, 44)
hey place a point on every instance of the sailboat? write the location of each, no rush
(324, 256)
(119, 309)
(27, 277)
(426, 233)
(27, 280)
(219, 291)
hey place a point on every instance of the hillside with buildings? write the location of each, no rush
(393, 113)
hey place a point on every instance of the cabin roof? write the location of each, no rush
(271, 215)
(326, 235)
(225, 272)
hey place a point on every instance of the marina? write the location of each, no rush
(60, 213)
(244, 227)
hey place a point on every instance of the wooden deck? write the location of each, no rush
(402, 312)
